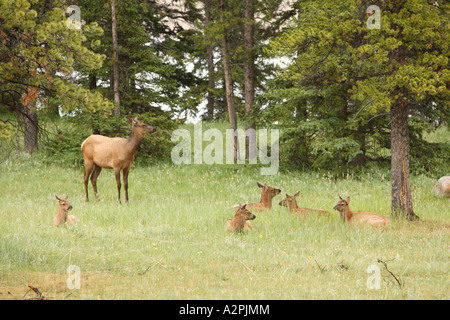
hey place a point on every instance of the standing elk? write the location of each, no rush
(112, 153)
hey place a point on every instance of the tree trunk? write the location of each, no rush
(210, 61)
(249, 72)
(229, 84)
(30, 128)
(115, 58)
(401, 190)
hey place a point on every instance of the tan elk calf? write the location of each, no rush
(241, 220)
(62, 216)
(112, 153)
(267, 194)
(359, 216)
(291, 203)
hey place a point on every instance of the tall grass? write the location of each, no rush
(169, 241)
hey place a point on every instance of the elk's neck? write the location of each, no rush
(266, 200)
(292, 205)
(239, 222)
(135, 140)
(62, 214)
(347, 214)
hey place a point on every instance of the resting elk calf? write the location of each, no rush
(265, 203)
(291, 203)
(112, 153)
(359, 216)
(241, 220)
(62, 216)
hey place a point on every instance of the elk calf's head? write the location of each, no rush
(64, 203)
(290, 201)
(268, 191)
(244, 213)
(342, 206)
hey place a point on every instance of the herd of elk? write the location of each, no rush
(241, 222)
(118, 153)
(112, 153)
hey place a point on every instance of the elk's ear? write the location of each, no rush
(67, 197)
(243, 207)
(295, 195)
(287, 196)
(260, 185)
(57, 197)
(340, 198)
(348, 200)
(135, 119)
(131, 119)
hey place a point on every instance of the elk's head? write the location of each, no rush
(289, 200)
(267, 190)
(143, 128)
(244, 213)
(64, 203)
(342, 206)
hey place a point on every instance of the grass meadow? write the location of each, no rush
(169, 241)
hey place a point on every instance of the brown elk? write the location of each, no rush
(62, 216)
(241, 220)
(291, 203)
(112, 153)
(359, 216)
(267, 194)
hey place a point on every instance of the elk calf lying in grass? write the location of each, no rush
(359, 216)
(265, 203)
(291, 203)
(241, 220)
(62, 216)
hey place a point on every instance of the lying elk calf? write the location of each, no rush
(241, 220)
(112, 153)
(62, 216)
(359, 216)
(291, 203)
(265, 203)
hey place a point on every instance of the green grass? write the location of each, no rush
(169, 241)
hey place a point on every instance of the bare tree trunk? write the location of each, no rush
(210, 60)
(229, 84)
(249, 72)
(30, 128)
(115, 58)
(401, 204)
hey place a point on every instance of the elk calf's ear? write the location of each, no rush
(348, 200)
(57, 197)
(260, 185)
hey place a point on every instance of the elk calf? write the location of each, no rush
(62, 216)
(291, 203)
(359, 216)
(112, 153)
(241, 220)
(265, 203)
